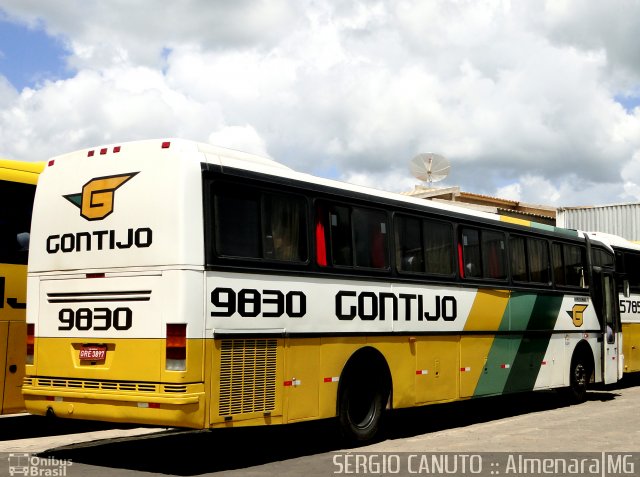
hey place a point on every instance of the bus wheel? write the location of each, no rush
(579, 377)
(362, 400)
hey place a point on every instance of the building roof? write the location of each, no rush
(495, 205)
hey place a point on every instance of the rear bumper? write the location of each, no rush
(182, 406)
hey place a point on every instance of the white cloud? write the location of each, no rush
(518, 96)
(241, 138)
(631, 177)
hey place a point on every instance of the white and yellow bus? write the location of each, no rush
(175, 283)
(627, 259)
(17, 189)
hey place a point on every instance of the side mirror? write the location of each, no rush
(626, 289)
(23, 241)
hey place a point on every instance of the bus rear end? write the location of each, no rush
(115, 321)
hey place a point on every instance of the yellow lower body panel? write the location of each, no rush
(185, 408)
(130, 384)
(12, 362)
(631, 347)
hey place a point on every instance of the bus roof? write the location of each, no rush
(20, 171)
(614, 240)
(225, 157)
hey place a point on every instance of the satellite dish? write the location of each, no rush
(430, 167)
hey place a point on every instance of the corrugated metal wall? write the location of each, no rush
(622, 220)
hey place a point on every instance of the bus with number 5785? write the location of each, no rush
(176, 283)
(627, 265)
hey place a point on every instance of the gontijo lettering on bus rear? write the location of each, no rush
(99, 240)
(96, 202)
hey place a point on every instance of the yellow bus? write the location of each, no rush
(174, 283)
(17, 189)
(627, 257)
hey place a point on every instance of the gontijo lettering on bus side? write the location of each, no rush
(349, 304)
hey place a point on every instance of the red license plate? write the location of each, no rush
(93, 353)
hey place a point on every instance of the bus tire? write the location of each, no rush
(362, 400)
(579, 377)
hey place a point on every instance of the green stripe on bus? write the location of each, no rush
(527, 364)
(532, 348)
(545, 312)
(514, 361)
(518, 312)
(496, 370)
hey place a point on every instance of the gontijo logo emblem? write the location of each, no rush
(577, 314)
(98, 196)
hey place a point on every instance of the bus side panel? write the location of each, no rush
(631, 347)
(474, 354)
(302, 378)
(437, 368)
(553, 366)
(13, 284)
(495, 372)
(13, 291)
(335, 352)
(15, 367)
(4, 338)
(478, 353)
(399, 352)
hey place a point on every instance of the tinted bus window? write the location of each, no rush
(260, 225)
(410, 252)
(284, 233)
(493, 255)
(471, 253)
(341, 241)
(370, 235)
(568, 262)
(557, 265)
(602, 258)
(574, 259)
(539, 261)
(15, 221)
(237, 224)
(632, 269)
(518, 257)
(439, 247)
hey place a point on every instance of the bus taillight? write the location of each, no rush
(176, 347)
(30, 342)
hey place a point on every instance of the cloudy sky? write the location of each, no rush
(529, 100)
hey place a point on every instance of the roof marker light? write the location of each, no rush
(116, 149)
(166, 144)
(103, 151)
(51, 162)
(90, 153)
